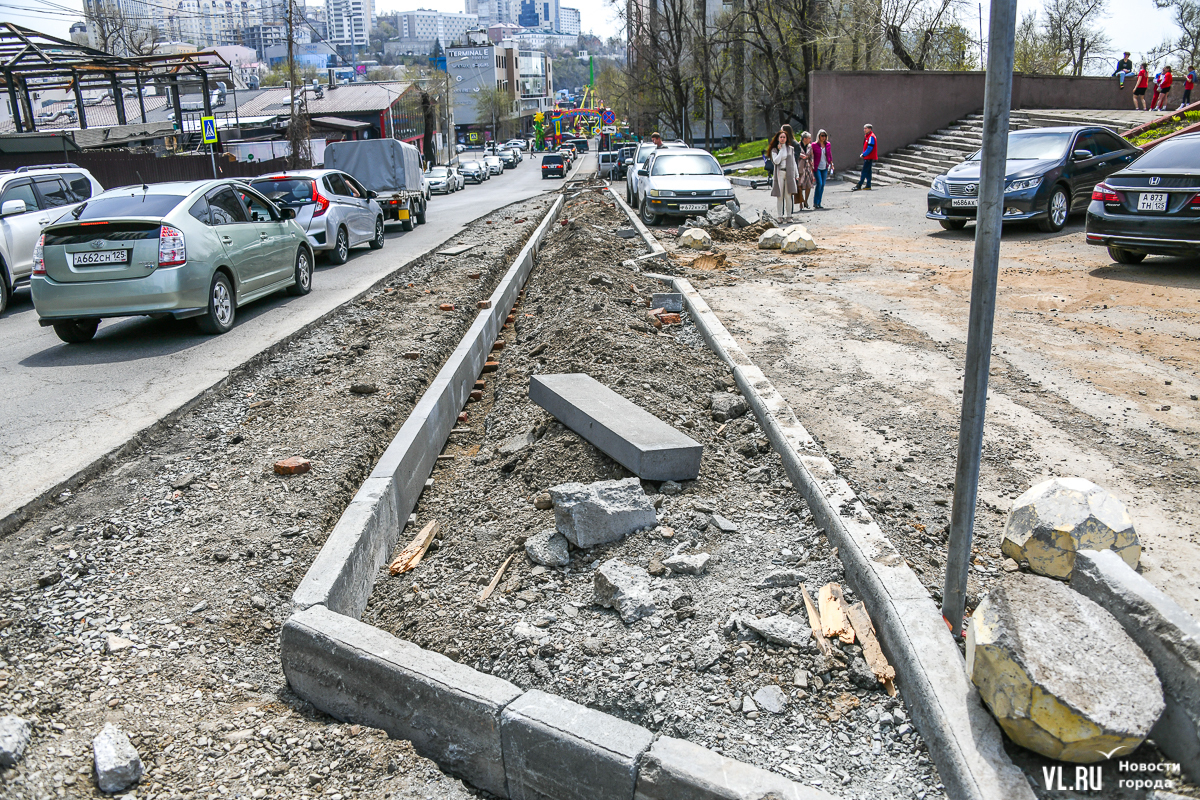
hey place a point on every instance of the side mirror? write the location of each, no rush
(12, 207)
(1082, 155)
(643, 172)
(372, 195)
(287, 213)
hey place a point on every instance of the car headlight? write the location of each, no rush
(1022, 184)
(723, 193)
(661, 193)
(939, 185)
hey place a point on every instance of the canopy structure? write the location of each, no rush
(32, 61)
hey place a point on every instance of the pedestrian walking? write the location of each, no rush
(870, 154)
(783, 182)
(1164, 87)
(807, 180)
(1139, 88)
(1124, 69)
(1189, 82)
(822, 166)
(1154, 84)
(795, 140)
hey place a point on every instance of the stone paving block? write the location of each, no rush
(1168, 635)
(674, 769)
(358, 673)
(632, 436)
(671, 302)
(558, 750)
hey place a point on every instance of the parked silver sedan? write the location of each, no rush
(443, 180)
(335, 211)
(199, 249)
(494, 165)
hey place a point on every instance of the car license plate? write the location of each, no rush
(693, 207)
(1152, 202)
(964, 202)
(94, 257)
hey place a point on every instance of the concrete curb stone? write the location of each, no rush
(675, 768)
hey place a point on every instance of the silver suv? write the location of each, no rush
(30, 199)
(335, 211)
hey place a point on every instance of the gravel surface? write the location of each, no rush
(152, 597)
(685, 670)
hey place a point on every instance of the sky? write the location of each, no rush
(1134, 25)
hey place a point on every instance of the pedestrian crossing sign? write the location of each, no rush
(210, 130)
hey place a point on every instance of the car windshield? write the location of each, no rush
(437, 172)
(470, 165)
(552, 159)
(286, 191)
(1174, 154)
(1032, 146)
(644, 152)
(134, 204)
(686, 165)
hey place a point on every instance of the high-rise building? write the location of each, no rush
(492, 12)
(419, 29)
(349, 23)
(79, 33)
(569, 21)
(539, 15)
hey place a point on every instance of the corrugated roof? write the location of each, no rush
(350, 98)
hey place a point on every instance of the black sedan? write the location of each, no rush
(1152, 207)
(1050, 172)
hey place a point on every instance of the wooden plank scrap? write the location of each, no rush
(491, 587)
(847, 636)
(412, 554)
(833, 621)
(873, 654)
(814, 621)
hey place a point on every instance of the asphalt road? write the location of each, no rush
(68, 405)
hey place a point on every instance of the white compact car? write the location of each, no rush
(30, 199)
(681, 182)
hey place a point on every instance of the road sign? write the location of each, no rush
(210, 130)
(608, 117)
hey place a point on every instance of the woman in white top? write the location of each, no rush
(785, 180)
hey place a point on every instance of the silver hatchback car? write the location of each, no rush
(335, 211)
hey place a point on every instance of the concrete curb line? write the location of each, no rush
(656, 248)
(22, 514)
(512, 743)
(964, 740)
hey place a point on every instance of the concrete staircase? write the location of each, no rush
(920, 162)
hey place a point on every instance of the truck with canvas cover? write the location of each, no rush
(390, 168)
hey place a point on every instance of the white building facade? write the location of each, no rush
(569, 21)
(421, 28)
(349, 23)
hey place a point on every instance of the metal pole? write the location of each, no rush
(996, 101)
(211, 154)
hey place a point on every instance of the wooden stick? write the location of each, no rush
(491, 587)
(814, 621)
(834, 608)
(884, 672)
(412, 554)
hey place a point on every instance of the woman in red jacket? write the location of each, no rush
(1164, 88)
(1139, 88)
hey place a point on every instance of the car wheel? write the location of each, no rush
(5, 291)
(221, 311)
(1122, 256)
(303, 274)
(407, 224)
(76, 331)
(1058, 208)
(340, 253)
(421, 214)
(953, 224)
(377, 242)
(648, 216)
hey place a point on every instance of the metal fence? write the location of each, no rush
(121, 168)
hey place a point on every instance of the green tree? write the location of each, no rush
(493, 106)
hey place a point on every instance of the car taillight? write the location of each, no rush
(1195, 204)
(1104, 193)
(39, 262)
(321, 200)
(171, 252)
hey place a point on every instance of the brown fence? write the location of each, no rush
(121, 167)
(905, 106)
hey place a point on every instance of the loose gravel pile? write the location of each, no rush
(686, 670)
(152, 597)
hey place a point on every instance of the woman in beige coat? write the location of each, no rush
(784, 182)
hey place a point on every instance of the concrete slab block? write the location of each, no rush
(358, 673)
(1168, 635)
(558, 750)
(674, 768)
(671, 302)
(632, 436)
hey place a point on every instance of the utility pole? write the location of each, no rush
(300, 148)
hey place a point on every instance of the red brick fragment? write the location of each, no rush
(491, 366)
(499, 345)
(293, 466)
(476, 395)
(670, 319)
(446, 307)
(508, 320)
(463, 417)
(484, 304)
(412, 355)
(473, 275)
(481, 385)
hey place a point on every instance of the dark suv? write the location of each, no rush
(554, 165)
(1050, 173)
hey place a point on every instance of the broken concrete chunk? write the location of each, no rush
(798, 241)
(722, 524)
(1057, 518)
(548, 548)
(695, 238)
(589, 514)
(1059, 673)
(14, 738)
(625, 588)
(727, 406)
(115, 644)
(671, 302)
(117, 763)
(687, 565)
(514, 444)
(781, 630)
(706, 652)
(771, 239)
(771, 698)
(744, 219)
(719, 215)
